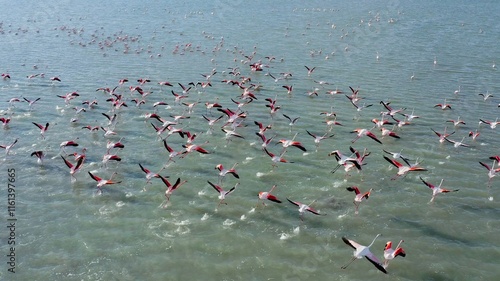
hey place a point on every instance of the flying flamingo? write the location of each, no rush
(396, 155)
(493, 124)
(109, 157)
(491, 171)
(437, 189)
(8, 147)
(211, 123)
(73, 169)
(286, 143)
(318, 138)
(390, 133)
(39, 155)
(364, 132)
(171, 151)
(267, 195)
(456, 122)
(117, 144)
(443, 105)
(170, 189)
(390, 110)
(222, 193)
(262, 128)
(474, 135)
(223, 172)
(276, 158)
(363, 251)
(265, 141)
(5, 122)
(309, 70)
(65, 144)
(304, 207)
(403, 170)
(31, 102)
(342, 159)
(102, 182)
(360, 197)
(192, 147)
(149, 174)
(42, 128)
(457, 143)
(292, 121)
(442, 136)
(390, 253)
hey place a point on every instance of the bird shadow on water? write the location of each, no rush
(433, 232)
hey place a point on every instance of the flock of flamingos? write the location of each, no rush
(169, 108)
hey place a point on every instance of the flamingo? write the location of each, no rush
(222, 193)
(491, 171)
(276, 158)
(304, 207)
(286, 143)
(390, 110)
(364, 132)
(171, 151)
(265, 141)
(342, 159)
(192, 147)
(109, 157)
(262, 128)
(442, 136)
(117, 144)
(223, 172)
(5, 122)
(231, 133)
(267, 195)
(396, 155)
(149, 174)
(410, 117)
(170, 189)
(493, 124)
(31, 102)
(8, 147)
(291, 121)
(443, 105)
(457, 143)
(65, 144)
(211, 123)
(403, 170)
(73, 169)
(318, 138)
(309, 70)
(486, 96)
(39, 155)
(390, 253)
(456, 122)
(437, 189)
(102, 182)
(363, 251)
(108, 131)
(360, 197)
(390, 133)
(381, 122)
(42, 128)
(474, 135)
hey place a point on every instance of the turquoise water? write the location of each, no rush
(386, 49)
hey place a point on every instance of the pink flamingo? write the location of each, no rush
(360, 197)
(263, 195)
(390, 253)
(361, 251)
(437, 189)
